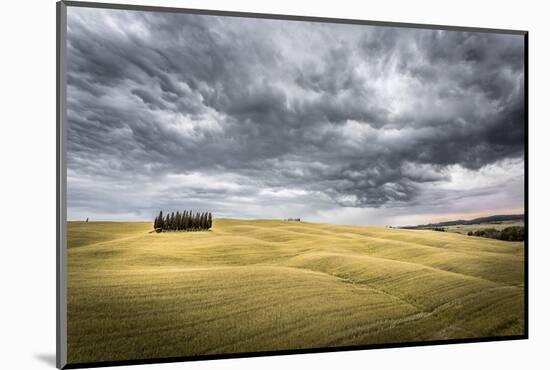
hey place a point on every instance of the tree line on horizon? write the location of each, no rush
(510, 233)
(183, 221)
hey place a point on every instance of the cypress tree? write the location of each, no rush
(161, 221)
(155, 224)
(178, 221)
(209, 224)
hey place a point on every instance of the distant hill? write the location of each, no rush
(479, 220)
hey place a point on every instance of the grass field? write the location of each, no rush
(272, 285)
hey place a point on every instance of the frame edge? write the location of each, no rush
(61, 172)
(526, 182)
(288, 17)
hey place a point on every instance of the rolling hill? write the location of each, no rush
(267, 285)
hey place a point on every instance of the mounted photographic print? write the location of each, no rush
(236, 184)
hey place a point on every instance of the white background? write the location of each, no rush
(27, 187)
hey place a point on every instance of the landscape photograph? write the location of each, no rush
(241, 185)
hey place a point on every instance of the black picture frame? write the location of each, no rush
(61, 184)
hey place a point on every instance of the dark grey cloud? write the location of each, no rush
(311, 115)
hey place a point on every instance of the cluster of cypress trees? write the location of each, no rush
(186, 220)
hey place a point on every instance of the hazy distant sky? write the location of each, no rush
(257, 118)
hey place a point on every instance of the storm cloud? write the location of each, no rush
(272, 118)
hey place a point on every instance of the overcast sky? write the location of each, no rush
(255, 118)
